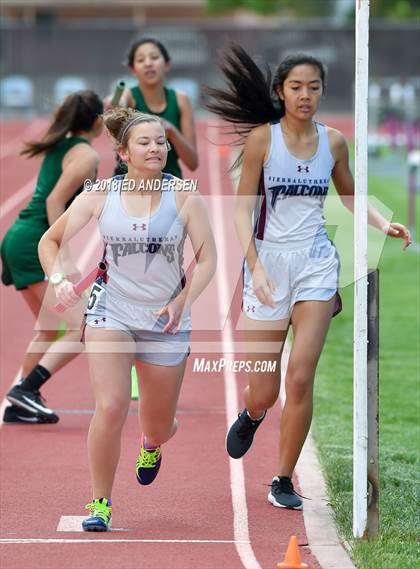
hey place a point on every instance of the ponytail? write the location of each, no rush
(249, 100)
(77, 113)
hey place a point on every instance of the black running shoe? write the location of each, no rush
(283, 495)
(241, 434)
(29, 400)
(15, 414)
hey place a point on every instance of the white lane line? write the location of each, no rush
(14, 145)
(6, 208)
(71, 523)
(88, 251)
(90, 247)
(237, 476)
(74, 524)
(116, 540)
(10, 204)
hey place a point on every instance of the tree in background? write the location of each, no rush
(299, 8)
(260, 6)
(389, 9)
(393, 10)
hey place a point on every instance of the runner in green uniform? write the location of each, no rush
(149, 61)
(69, 160)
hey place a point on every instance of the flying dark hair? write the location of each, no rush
(138, 43)
(76, 114)
(251, 98)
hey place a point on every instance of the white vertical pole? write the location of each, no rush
(360, 427)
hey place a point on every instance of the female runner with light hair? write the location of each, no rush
(139, 310)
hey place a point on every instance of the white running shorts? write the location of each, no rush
(298, 273)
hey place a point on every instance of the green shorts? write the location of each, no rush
(19, 255)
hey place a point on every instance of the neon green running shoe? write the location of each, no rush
(148, 464)
(100, 519)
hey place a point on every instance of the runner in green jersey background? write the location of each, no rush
(68, 161)
(149, 61)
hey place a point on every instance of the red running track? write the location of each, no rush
(185, 520)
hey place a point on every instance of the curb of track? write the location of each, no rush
(321, 531)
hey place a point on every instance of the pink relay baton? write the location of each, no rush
(85, 283)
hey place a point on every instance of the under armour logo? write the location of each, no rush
(250, 308)
(142, 227)
(303, 168)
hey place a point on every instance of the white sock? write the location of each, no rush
(252, 418)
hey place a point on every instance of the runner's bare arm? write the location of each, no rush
(126, 100)
(344, 184)
(193, 213)
(183, 140)
(80, 163)
(81, 211)
(200, 233)
(254, 154)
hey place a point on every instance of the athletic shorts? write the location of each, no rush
(19, 255)
(308, 273)
(153, 346)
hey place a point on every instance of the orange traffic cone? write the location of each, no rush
(292, 559)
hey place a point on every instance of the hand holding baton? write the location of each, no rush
(85, 283)
(119, 89)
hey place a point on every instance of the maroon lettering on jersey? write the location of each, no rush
(139, 227)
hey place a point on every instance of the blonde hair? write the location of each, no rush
(119, 121)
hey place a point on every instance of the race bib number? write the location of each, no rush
(95, 294)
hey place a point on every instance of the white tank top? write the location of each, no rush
(144, 254)
(293, 191)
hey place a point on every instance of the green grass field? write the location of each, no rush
(398, 544)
